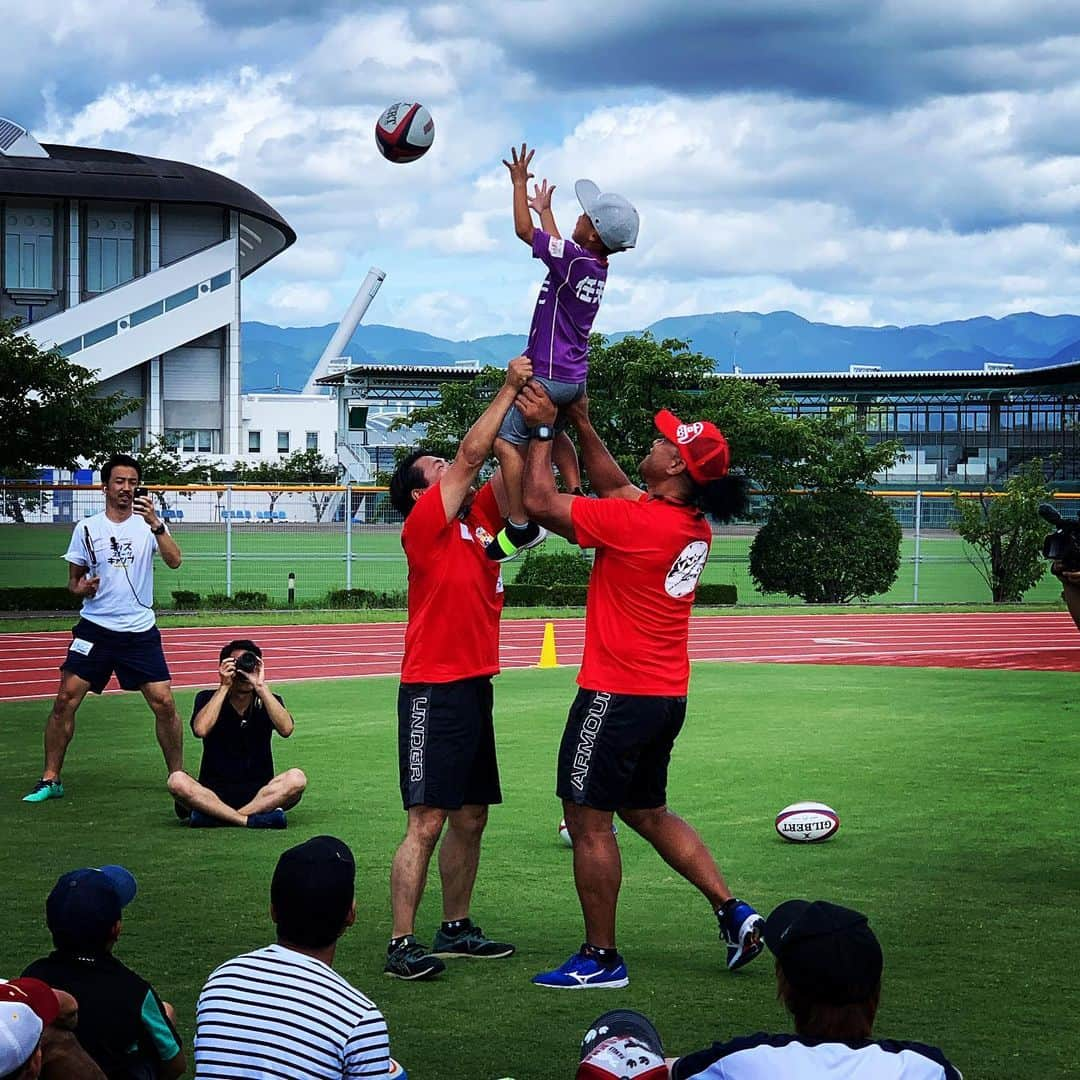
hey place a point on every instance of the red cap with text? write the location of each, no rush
(701, 445)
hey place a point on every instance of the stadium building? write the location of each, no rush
(132, 266)
(958, 428)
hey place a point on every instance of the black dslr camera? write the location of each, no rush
(1062, 545)
(247, 662)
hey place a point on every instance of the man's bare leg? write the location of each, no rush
(597, 870)
(408, 874)
(60, 727)
(195, 796)
(459, 859)
(170, 732)
(283, 792)
(679, 845)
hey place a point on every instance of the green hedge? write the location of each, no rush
(545, 596)
(364, 598)
(40, 598)
(553, 568)
(716, 595)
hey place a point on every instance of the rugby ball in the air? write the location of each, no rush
(807, 822)
(564, 833)
(404, 132)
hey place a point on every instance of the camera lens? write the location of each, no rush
(247, 661)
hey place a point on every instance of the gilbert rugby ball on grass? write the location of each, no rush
(807, 822)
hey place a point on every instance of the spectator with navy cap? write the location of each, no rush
(122, 1023)
(828, 976)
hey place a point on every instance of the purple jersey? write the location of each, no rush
(565, 309)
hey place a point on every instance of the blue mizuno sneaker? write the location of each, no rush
(740, 931)
(583, 972)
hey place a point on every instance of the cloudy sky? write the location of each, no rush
(855, 162)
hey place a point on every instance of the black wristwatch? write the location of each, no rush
(160, 529)
(544, 432)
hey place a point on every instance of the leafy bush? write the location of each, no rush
(346, 599)
(349, 598)
(716, 595)
(567, 595)
(250, 600)
(247, 601)
(516, 595)
(828, 547)
(553, 568)
(39, 598)
(185, 598)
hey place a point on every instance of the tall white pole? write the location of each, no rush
(347, 327)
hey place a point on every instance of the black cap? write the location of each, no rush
(825, 950)
(312, 891)
(86, 904)
(621, 1024)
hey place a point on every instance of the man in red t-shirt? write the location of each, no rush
(446, 738)
(651, 546)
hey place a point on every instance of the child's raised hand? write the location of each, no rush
(541, 199)
(519, 164)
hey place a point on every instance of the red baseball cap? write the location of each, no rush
(701, 445)
(35, 994)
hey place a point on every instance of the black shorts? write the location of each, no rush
(95, 653)
(446, 744)
(234, 793)
(615, 750)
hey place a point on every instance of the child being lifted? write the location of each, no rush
(559, 336)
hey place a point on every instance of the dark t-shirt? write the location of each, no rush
(236, 750)
(122, 1022)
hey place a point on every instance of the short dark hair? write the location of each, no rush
(120, 459)
(240, 643)
(406, 479)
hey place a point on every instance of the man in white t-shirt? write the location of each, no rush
(110, 565)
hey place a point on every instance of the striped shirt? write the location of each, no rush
(277, 1014)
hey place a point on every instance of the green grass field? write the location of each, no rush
(953, 787)
(263, 557)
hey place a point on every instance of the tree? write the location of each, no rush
(50, 416)
(300, 467)
(828, 546)
(1005, 533)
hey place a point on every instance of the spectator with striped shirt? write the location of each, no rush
(283, 1011)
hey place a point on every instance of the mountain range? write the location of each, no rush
(780, 341)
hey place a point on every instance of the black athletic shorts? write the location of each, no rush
(615, 750)
(95, 653)
(446, 744)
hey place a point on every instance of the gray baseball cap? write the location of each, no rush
(615, 220)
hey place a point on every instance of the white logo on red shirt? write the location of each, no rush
(589, 290)
(686, 433)
(683, 576)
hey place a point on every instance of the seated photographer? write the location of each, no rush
(237, 784)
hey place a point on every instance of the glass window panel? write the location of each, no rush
(934, 421)
(254, 442)
(11, 260)
(283, 442)
(187, 443)
(93, 265)
(125, 254)
(951, 421)
(26, 269)
(43, 278)
(205, 442)
(313, 440)
(108, 262)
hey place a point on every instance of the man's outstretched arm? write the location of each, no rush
(605, 476)
(544, 503)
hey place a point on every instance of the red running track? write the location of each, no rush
(1037, 641)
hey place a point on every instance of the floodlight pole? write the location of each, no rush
(347, 327)
(918, 532)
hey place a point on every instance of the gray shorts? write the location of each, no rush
(514, 429)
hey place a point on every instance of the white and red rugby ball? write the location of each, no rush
(807, 822)
(404, 132)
